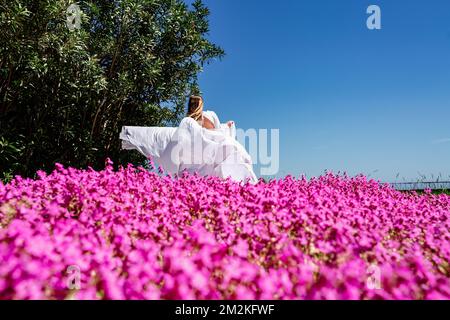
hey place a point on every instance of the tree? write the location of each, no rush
(65, 93)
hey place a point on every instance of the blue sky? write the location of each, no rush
(345, 98)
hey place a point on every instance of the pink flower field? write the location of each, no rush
(135, 234)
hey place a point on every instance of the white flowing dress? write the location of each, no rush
(192, 148)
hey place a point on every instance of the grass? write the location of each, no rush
(442, 192)
(437, 192)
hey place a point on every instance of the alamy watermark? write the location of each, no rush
(73, 17)
(73, 281)
(197, 148)
(374, 20)
(265, 154)
(373, 277)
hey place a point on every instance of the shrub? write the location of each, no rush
(64, 95)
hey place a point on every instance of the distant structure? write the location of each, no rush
(421, 185)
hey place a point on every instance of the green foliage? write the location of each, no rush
(10, 153)
(65, 94)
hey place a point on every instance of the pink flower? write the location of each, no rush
(136, 234)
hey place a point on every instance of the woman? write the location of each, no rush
(201, 144)
(206, 119)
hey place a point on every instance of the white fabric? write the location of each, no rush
(147, 140)
(192, 148)
(212, 116)
(223, 127)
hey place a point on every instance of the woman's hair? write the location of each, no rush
(195, 108)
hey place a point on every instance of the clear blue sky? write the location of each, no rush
(344, 97)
